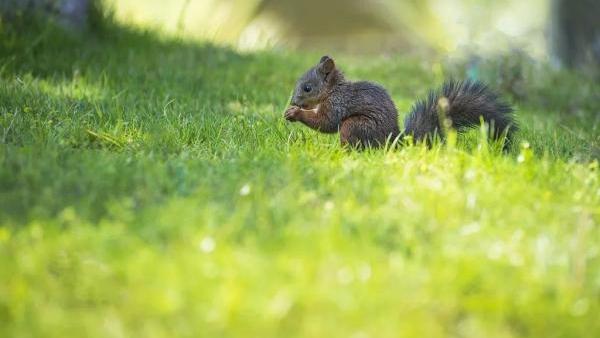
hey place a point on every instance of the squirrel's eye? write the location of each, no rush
(307, 88)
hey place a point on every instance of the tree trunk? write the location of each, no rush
(575, 32)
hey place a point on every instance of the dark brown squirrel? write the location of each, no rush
(365, 115)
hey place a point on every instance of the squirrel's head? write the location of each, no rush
(313, 87)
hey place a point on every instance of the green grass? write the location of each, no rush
(149, 187)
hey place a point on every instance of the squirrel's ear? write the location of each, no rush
(326, 65)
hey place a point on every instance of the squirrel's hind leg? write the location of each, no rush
(360, 131)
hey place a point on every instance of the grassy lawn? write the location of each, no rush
(149, 187)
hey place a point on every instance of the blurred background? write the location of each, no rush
(561, 32)
(361, 26)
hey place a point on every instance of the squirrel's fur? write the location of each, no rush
(365, 116)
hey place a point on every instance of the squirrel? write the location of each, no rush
(365, 116)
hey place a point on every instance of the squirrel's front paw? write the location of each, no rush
(292, 113)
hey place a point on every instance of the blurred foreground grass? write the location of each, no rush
(149, 187)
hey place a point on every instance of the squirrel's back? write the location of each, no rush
(364, 97)
(464, 104)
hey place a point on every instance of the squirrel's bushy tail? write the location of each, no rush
(464, 104)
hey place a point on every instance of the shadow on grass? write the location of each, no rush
(121, 114)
